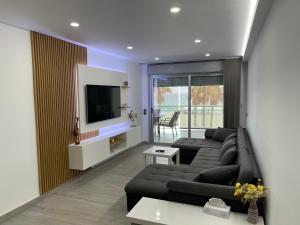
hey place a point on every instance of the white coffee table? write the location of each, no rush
(168, 153)
(150, 211)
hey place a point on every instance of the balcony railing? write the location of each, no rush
(201, 116)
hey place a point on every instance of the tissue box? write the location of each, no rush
(223, 212)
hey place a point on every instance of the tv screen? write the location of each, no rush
(102, 102)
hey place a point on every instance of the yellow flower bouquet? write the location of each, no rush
(250, 192)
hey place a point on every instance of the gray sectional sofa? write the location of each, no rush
(209, 170)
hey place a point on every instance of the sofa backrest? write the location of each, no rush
(249, 170)
(242, 140)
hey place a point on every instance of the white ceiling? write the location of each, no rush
(111, 25)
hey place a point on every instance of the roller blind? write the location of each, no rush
(216, 79)
(171, 82)
(197, 80)
(186, 67)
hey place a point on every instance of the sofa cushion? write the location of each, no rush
(195, 143)
(206, 158)
(233, 135)
(210, 143)
(209, 133)
(227, 145)
(152, 180)
(222, 133)
(219, 175)
(229, 156)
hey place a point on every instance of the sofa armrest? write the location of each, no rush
(202, 189)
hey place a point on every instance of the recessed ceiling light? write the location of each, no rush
(156, 58)
(175, 10)
(197, 41)
(74, 24)
(207, 54)
(129, 47)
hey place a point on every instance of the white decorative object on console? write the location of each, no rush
(217, 207)
(99, 149)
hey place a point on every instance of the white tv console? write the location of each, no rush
(99, 149)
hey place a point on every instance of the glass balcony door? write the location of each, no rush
(169, 108)
(183, 106)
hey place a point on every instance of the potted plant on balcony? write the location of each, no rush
(251, 193)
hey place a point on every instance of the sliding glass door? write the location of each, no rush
(183, 106)
(169, 108)
(206, 103)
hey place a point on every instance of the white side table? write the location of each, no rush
(168, 153)
(150, 211)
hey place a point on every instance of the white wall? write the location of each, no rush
(274, 109)
(132, 69)
(18, 159)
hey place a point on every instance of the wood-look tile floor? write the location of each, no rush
(96, 197)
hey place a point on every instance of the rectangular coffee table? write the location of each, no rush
(168, 153)
(149, 211)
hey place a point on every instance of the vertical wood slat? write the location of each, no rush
(54, 71)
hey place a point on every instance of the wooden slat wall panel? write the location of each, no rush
(54, 75)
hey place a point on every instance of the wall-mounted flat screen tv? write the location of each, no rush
(102, 102)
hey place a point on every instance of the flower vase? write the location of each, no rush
(253, 213)
(77, 132)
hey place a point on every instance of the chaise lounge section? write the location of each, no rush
(207, 173)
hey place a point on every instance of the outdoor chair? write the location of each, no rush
(170, 122)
